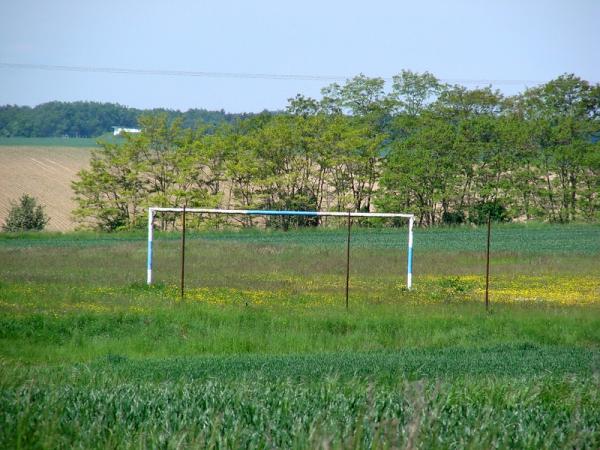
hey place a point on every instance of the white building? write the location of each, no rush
(118, 130)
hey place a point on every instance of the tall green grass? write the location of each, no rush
(533, 412)
(263, 354)
(53, 323)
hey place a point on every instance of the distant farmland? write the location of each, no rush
(58, 141)
(45, 173)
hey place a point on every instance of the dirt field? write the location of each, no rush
(45, 173)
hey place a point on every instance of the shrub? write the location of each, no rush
(26, 215)
(453, 218)
(478, 214)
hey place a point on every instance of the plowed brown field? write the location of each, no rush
(45, 173)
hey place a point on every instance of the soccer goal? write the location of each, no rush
(244, 212)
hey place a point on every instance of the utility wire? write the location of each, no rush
(241, 75)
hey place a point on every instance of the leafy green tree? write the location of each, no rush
(448, 153)
(359, 96)
(421, 173)
(287, 170)
(356, 138)
(493, 209)
(412, 92)
(565, 113)
(26, 215)
(164, 165)
(110, 193)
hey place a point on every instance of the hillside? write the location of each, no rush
(45, 173)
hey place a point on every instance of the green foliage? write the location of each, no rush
(444, 152)
(91, 119)
(480, 211)
(164, 166)
(533, 153)
(453, 218)
(26, 215)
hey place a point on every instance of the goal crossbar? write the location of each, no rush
(265, 212)
(259, 212)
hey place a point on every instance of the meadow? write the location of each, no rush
(262, 352)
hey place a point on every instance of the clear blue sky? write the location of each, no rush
(457, 40)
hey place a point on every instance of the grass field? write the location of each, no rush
(262, 352)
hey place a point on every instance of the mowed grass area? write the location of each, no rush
(262, 352)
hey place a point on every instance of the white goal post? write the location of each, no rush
(257, 212)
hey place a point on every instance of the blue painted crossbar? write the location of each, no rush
(257, 212)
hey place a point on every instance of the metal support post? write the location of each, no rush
(150, 239)
(348, 258)
(487, 263)
(183, 254)
(409, 263)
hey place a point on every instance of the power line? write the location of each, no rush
(239, 75)
(176, 73)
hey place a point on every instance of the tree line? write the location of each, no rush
(90, 119)
(448, 154)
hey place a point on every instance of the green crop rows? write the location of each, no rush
(261, 352)
(506, 238)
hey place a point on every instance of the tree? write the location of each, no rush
(110, 193)
(565, 113)
(445, 152)
(359, 96)
(355, 139)
(26, 215)
(422, 172)
(164, 165)
(413, 92)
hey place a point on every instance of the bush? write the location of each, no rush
(478, 214)
(453, 218)
(26, 215)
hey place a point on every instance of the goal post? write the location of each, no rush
(258, 212)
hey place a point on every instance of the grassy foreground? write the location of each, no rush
(262, 353)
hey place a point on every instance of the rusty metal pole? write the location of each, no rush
(348, 258)
(487, 264)
(183, 254)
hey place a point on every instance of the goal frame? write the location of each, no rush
(259, 212)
